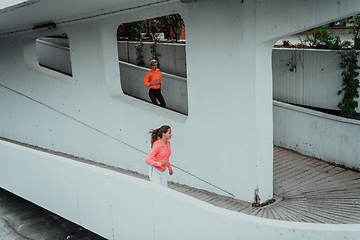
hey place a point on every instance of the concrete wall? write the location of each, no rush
(62, 41)
(54, 56)
(333, 139)
(9, 3)
(315, 82)
(172, 59)
(117, 206)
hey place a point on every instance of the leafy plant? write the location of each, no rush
(155, 55)
(319, 35)
(286, 43)
(350, 84)
(295, 58)
(131, 30)
(292, 65)
(139, 54)
(322, 38)
(172, 26)
(335, 43)
(355, 28)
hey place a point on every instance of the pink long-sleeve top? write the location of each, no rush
(159, 152)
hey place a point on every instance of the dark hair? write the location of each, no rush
(157, 133)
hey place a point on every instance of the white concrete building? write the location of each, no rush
(226, 138)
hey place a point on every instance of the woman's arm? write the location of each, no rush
(147, 79)
(150, 158)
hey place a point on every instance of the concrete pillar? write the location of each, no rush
(230, 96)
(229, 47)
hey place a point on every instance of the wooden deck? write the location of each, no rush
(305, 189)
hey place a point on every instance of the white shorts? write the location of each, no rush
(157, 177)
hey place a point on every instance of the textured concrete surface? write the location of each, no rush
(23, 220)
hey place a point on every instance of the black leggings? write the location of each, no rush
(156, 94)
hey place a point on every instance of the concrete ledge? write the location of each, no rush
(114, 205)
(331, 138)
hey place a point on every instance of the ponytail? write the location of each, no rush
(157, 133)
(154, 136)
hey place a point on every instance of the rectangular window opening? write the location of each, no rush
(140, 42)
(53, 52)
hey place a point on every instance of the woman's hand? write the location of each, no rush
(154, 83)
(164, 163)
(170, 172)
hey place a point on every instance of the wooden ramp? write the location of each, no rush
(306, 189)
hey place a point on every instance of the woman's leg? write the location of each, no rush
(161, 99)
(154, 175)
(163, 178)
(157, 177)
(152, 96)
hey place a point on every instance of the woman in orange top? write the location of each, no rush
(153, 79)
(158, 158)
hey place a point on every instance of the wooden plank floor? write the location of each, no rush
(305, 189)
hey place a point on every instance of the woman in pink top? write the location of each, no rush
(158, 158)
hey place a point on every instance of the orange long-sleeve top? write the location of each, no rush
(159, 152)
(153, 76)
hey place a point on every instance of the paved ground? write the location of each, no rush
(305, 190)
(23, 220)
